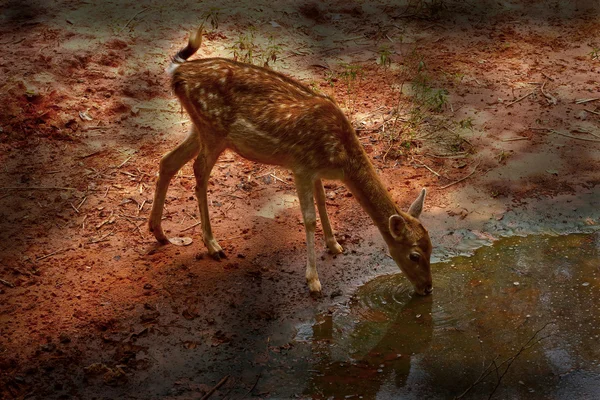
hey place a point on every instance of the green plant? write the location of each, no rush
(385, 57)
(350, 74)
(330, 78)
(212, 16)
(503, 156)
(466, 123)
(271, 53)
(425, 95)
(244, 46)
(595, 53)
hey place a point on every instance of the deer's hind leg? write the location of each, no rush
(203, 165)
(169, 165)
(304, 186)
(332, 244)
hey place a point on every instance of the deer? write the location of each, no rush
(267, 117)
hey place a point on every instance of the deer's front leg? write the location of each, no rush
(169, 165)
(304, 187)
(202, 167)
(332, 244)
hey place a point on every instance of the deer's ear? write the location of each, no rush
(397, 226)
(416, 207)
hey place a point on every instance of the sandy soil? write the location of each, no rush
(502, 129)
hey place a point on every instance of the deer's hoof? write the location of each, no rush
(335, 248)
(219, 255)
(314, 286)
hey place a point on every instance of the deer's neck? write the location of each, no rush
(371, 194)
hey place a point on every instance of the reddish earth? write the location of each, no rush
(92, 307)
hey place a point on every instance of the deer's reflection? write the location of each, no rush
(387, 362)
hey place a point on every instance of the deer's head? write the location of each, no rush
(410, 246)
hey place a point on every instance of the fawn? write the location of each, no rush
(267, 117)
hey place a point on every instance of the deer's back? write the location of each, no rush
(264, 115)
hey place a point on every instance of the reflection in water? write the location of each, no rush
(485, 308)
(407, 334)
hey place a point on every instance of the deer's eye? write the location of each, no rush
(415, 257)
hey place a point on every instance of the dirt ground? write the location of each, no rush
(493, 107)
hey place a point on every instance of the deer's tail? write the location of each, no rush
(188, 51)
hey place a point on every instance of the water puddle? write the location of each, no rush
(519, 319)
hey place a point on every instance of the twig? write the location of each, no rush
(387, 151)
(582, 101)
(7, 283)
(253, 386)
(124, 162)
(551, 99)
(278, 179)
(448, 155)
(102, 239)
(91, 154)
(573, 137)
(132, 18)
(11, 42)
(214, 389)
(462, 179)
(52, 254)
(430, 170)
(592, 111)
(514, 139)
(108, 220)
(488, 370)
(510, 360)
(74, 208)
(519, 99)
(191, 226)
(36, 188)
(82, 201)
(586, 131)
